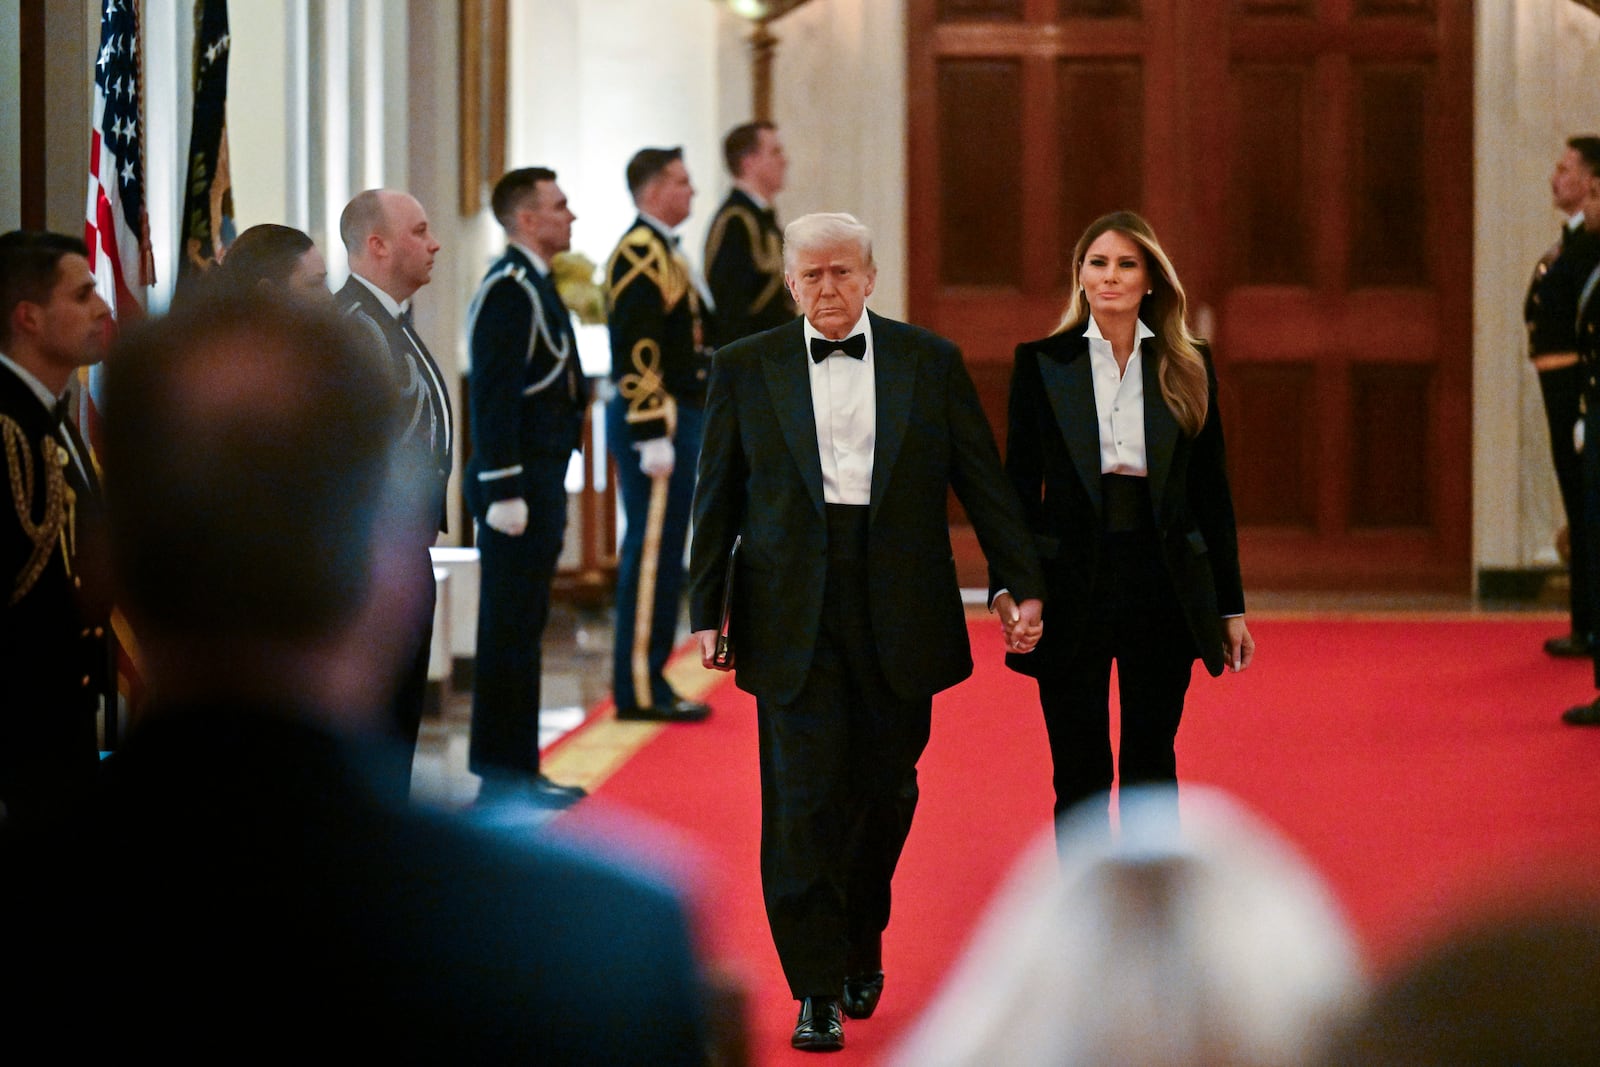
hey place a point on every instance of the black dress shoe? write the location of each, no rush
(861, 993)
(542, 790)
(819, 1029)
(678, 711)
(536, 790)
(1574, 645)
(1582, 715)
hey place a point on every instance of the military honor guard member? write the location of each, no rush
(1551, 311)
(391, 249)
(1587, 440)
(56, 652)
(527, 394)
(831, 447)
(660, 364)
(744, 247)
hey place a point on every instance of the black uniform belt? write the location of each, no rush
(1127, 503)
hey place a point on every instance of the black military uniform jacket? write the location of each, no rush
(744, 268)
(56, 648)
(526, 388)
(658, 355)
(1551, 310)
(429, 428)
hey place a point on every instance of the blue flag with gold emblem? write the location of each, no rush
(208, 194)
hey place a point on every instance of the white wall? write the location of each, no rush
(1537, 65)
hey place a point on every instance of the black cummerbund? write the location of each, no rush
(847, 531)
(1127, 503)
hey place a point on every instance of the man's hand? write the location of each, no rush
(1240, 647)
(509, 517)
(1023, 624)
(708, 650)
(656, 456)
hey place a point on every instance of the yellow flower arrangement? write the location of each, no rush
(574, 275)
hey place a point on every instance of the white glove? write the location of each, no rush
(509, 517)
(656, 456)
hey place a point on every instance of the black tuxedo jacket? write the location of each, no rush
(429, 429)
(744, 268)
(761, 476)
(526, 391)
(55, 632)
(1053, 460)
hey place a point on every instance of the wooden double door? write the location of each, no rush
(1308, 166)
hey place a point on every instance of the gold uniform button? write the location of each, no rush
(99, 631)
(86, 680)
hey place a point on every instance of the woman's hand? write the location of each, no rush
(1238, 645)
(1022, 624)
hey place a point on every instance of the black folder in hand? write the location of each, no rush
(723, 656)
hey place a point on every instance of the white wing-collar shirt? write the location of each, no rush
(844, 400)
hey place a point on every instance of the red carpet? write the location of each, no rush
(1420, 765)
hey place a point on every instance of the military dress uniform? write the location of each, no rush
(660, 364)
(428, 441)
(1550, 312)
(744, 268)
(1588, 342)
(527, 395)
(57, 665)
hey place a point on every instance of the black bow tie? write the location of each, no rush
(854, 346)
(62, 408)
(406, 317)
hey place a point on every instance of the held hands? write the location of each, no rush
(1023, 624)
(656, 456)
(509, 517)
(708, 649)
(1238, 646)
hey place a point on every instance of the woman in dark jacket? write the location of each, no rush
(1115, 446)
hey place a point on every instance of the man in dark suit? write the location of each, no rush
(528, 397)
(744, 247)
(271, 897)
(1551, 311)
(391, 250)
(660, 364)
(56, 668)
(831, 446)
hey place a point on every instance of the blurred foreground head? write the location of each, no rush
(1203, 945)
(251, 490)
(1521, 989)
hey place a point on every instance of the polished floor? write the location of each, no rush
(577, 677)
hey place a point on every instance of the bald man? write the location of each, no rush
(391, 249)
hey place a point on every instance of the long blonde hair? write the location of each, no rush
(1181, 370)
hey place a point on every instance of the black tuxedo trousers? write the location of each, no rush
(838, 785)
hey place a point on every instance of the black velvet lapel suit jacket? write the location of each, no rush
(760, 476)
(1053, 460)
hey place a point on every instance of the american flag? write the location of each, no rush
(118, 230)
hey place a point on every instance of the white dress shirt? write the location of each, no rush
(1119, 402)
(844, 399)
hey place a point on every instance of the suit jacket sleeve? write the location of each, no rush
(980, 484)
(1211, 500)
(719, 499)
(499, 350)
